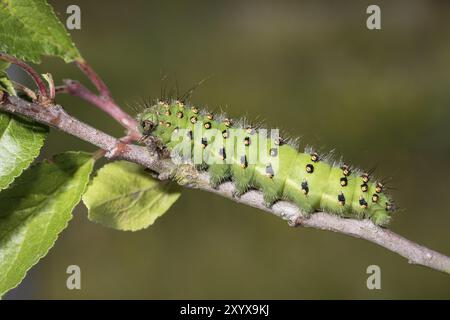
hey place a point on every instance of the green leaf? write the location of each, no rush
(20, 143)
(5, 83)
(35, 209)
(124, 197)
(30, 29)
(4, 66)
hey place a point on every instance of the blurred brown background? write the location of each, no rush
(310, 67)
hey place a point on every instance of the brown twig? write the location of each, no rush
(94, 78)
(51, 86)
(107, 105)
(30, 93)
(103, 100)
(56, 117)
(61, 89)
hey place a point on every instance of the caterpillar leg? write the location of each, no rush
(218, 174)
(155, 146)
(270, 199)
(151, 172)
(380, 217)
(272, 191)
(240, 189)
(306, 213)
(242, 179)
(201, 167)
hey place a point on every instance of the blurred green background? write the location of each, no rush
(310, 67)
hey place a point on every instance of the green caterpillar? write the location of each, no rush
(250, 159)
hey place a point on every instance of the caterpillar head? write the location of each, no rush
(150, 118)
(148, 123)
(161, 120)
(382, 208)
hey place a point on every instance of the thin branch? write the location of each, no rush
(105, 100)
(106, 104)
(30, 93)
(51, 86)
(56, 117)
(28, 69)
(61, 89)
(94, 78)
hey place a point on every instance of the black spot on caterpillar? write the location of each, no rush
(237, 152)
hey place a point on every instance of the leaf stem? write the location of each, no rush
(30, 93)
(28, 69)
(107, 105)
(94, 78)
(103, 100)
(51, 86)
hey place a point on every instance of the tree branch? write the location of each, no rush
(106, 104)
(28, 69)
(103, 100)
(56, 117)
(96, 80)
